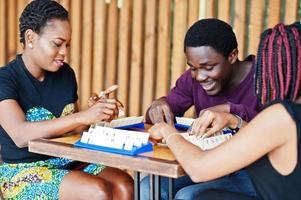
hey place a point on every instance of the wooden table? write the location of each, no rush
(157, 163)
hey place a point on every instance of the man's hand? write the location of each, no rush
(160, 112)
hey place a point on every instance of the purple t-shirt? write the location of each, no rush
(188, 92)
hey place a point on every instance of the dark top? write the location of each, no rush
(188, 92)
(40, 100)
(271, 185)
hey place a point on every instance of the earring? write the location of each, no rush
(30, 45)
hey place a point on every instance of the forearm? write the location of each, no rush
(44, 129)
(80, 128)
(186, 154)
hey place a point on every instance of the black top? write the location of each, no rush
(269, 183)
(40, 100)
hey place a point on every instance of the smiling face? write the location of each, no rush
(50, 46)
(209, 67)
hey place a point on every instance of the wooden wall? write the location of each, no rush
(138, 44)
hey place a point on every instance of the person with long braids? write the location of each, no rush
(269, 146)
(38, 99)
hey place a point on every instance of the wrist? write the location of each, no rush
(168, 137)
(78, 119)
(235, 123)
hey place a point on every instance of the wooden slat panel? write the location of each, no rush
(90, 46)
(210, 8)
(240, 25)
(193, 16)
(274, 13)
(21, 4)
(66, 5)
(150, 36)
(179, 31)
(291, 9)
(136, 59)
(12, 30)
(125, 21)
(163, 56)
(256, 24)
(3, 32)
(224, 10)
(111, 49)
(86, 63)
(99, 46)
(75, 46)
(193, 11)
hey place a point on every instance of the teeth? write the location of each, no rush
(207, 86)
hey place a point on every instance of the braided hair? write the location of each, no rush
(278, 64)
(36, 15)
(211, 32)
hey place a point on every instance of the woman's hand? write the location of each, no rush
(94, 98)
(102, 110)
(210, 122)
(161, 131)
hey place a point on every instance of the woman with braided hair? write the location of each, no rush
(38, 99)
(269, 146)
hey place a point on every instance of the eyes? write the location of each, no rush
(207, 68)
(60, 44)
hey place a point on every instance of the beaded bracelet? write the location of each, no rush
(239, 124)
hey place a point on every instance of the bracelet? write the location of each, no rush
(239, 124)
(170, 135)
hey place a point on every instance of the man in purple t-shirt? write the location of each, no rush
(216, 80)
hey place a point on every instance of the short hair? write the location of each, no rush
(278, 64)
(211, 32)
(36, 15)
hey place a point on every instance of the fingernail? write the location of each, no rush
(204, 136)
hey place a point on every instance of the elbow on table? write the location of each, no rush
(22, 145)
(20, 142)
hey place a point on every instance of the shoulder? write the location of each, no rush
(249, 64)
(186, 77)
(281, 113)
(9, 75)
(291, 108)
(9, 71)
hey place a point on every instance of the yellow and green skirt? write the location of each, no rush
(38, 180)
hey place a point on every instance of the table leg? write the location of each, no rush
(170, 188)
(155, 187)
(137, 185)
(151, 187)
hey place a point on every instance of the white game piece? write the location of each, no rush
(184, 121)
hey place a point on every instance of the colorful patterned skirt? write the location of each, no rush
(37, 180)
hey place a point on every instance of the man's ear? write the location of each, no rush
(233, 56)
